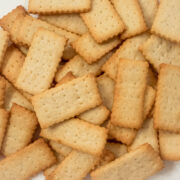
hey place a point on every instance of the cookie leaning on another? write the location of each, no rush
(90, 50)
(66, 101)
(41, 64)
(74, 167)
(139, 164)
(35, 158)
(20, 130)
(128, 105)
(103, 21)
(84, 136)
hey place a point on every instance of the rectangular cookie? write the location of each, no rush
(90, 50)
(103, 21)
(66, 101)
(12, 95)
(8, 20)
(149, 9)
(3, 124)
(158, 50)
(96, 115)
(84, 136)
(166, 115)
(74, 167)
(20, 130)
(79, 67)
(138, 164)
(117, 148)
(167, 20)
(60, 148)
(70, 22)
(55, 7)
(128, 50)
(132, 16)
(4, 36)
(127, 135)
(27, 162)
(169, 146)
(106, 90)
(13, 62)
(41, 62)
(147, 134)
(128, 105)
(30, 25)
(2, 91)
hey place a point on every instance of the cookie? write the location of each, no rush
(66, 101)
(167, 21)
(35, 158)
(84, 136)
(141, 163)
(103, 21)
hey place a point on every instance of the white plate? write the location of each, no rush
(171, 170)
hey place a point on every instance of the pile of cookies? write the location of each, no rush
(90, 87)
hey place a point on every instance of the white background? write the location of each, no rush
(171, 170)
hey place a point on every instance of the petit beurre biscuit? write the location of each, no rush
(70, 22)
(106, 90)
(79, 67)
(149, 9)
(27, 162)
(90, 50)
(132, 16)
(40, 63)
(12, 22)
(74, 167)
(169, 144)
(167, 21)
(7, 21)
(12, 95)
(54, 7)
(95, 115)
(2, 91)
(3, 124)
(4, 36)
(127, 135)
(117, 148)
(84, 136)
(138, 164)
(128, 105)
(147, 134)
(166, 114)
(103, 21)
(21, 127)
(13, 62)
(60, 148)
(158, 50)
(66, 101)
(128, 50)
